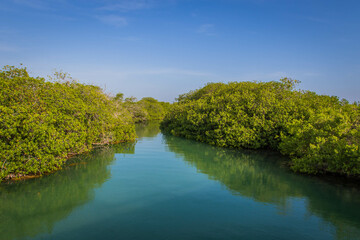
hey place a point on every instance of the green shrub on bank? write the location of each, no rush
(319, 133)
(42, 122)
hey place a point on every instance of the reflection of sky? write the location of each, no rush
(167, 47)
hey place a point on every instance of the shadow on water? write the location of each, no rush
(31, 207)
(259, 175)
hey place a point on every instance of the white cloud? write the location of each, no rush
(207, 29)
(113, 20)
(36, 4)
(175, 71)
(129, 39)
(128, 5)
(133, 5)
(164, 72)
(7, 48)
(315, 19)
(258, 76)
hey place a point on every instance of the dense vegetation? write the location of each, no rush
(321, 134)
(147, 109)
(43, 122)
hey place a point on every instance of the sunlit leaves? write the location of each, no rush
(41, 122)
(319, 133)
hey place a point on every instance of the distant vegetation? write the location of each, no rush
(44, 122)
(321, 134)
(147, 109)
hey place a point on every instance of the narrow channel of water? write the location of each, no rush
(165, 187)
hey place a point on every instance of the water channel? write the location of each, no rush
(164, 187)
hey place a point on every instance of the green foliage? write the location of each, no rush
(42, 122)
(119, 97)
(156, 110)
(320, 133)
(147, 109)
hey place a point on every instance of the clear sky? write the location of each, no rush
(162, 48)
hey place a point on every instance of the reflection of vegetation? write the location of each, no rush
(248, 173)
(148, 129)
(257, 175)
(30, 207)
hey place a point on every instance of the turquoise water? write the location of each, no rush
(165, 187)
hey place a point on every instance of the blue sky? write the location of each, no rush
(167, 47)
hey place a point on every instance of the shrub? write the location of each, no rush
(319, 133)
(42, 122)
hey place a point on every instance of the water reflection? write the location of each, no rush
(30, 207)
(260, 176)
(148, 129)
(152, 192)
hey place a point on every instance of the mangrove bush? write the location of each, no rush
(321, 134)
(147, 109)
(43, 122)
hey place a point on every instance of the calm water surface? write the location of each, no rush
(165, 187)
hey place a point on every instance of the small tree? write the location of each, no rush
(119, 97)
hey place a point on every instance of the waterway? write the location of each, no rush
(164, 187)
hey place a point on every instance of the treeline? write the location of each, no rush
(147, 109)
(321, 134)
(42, 122)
